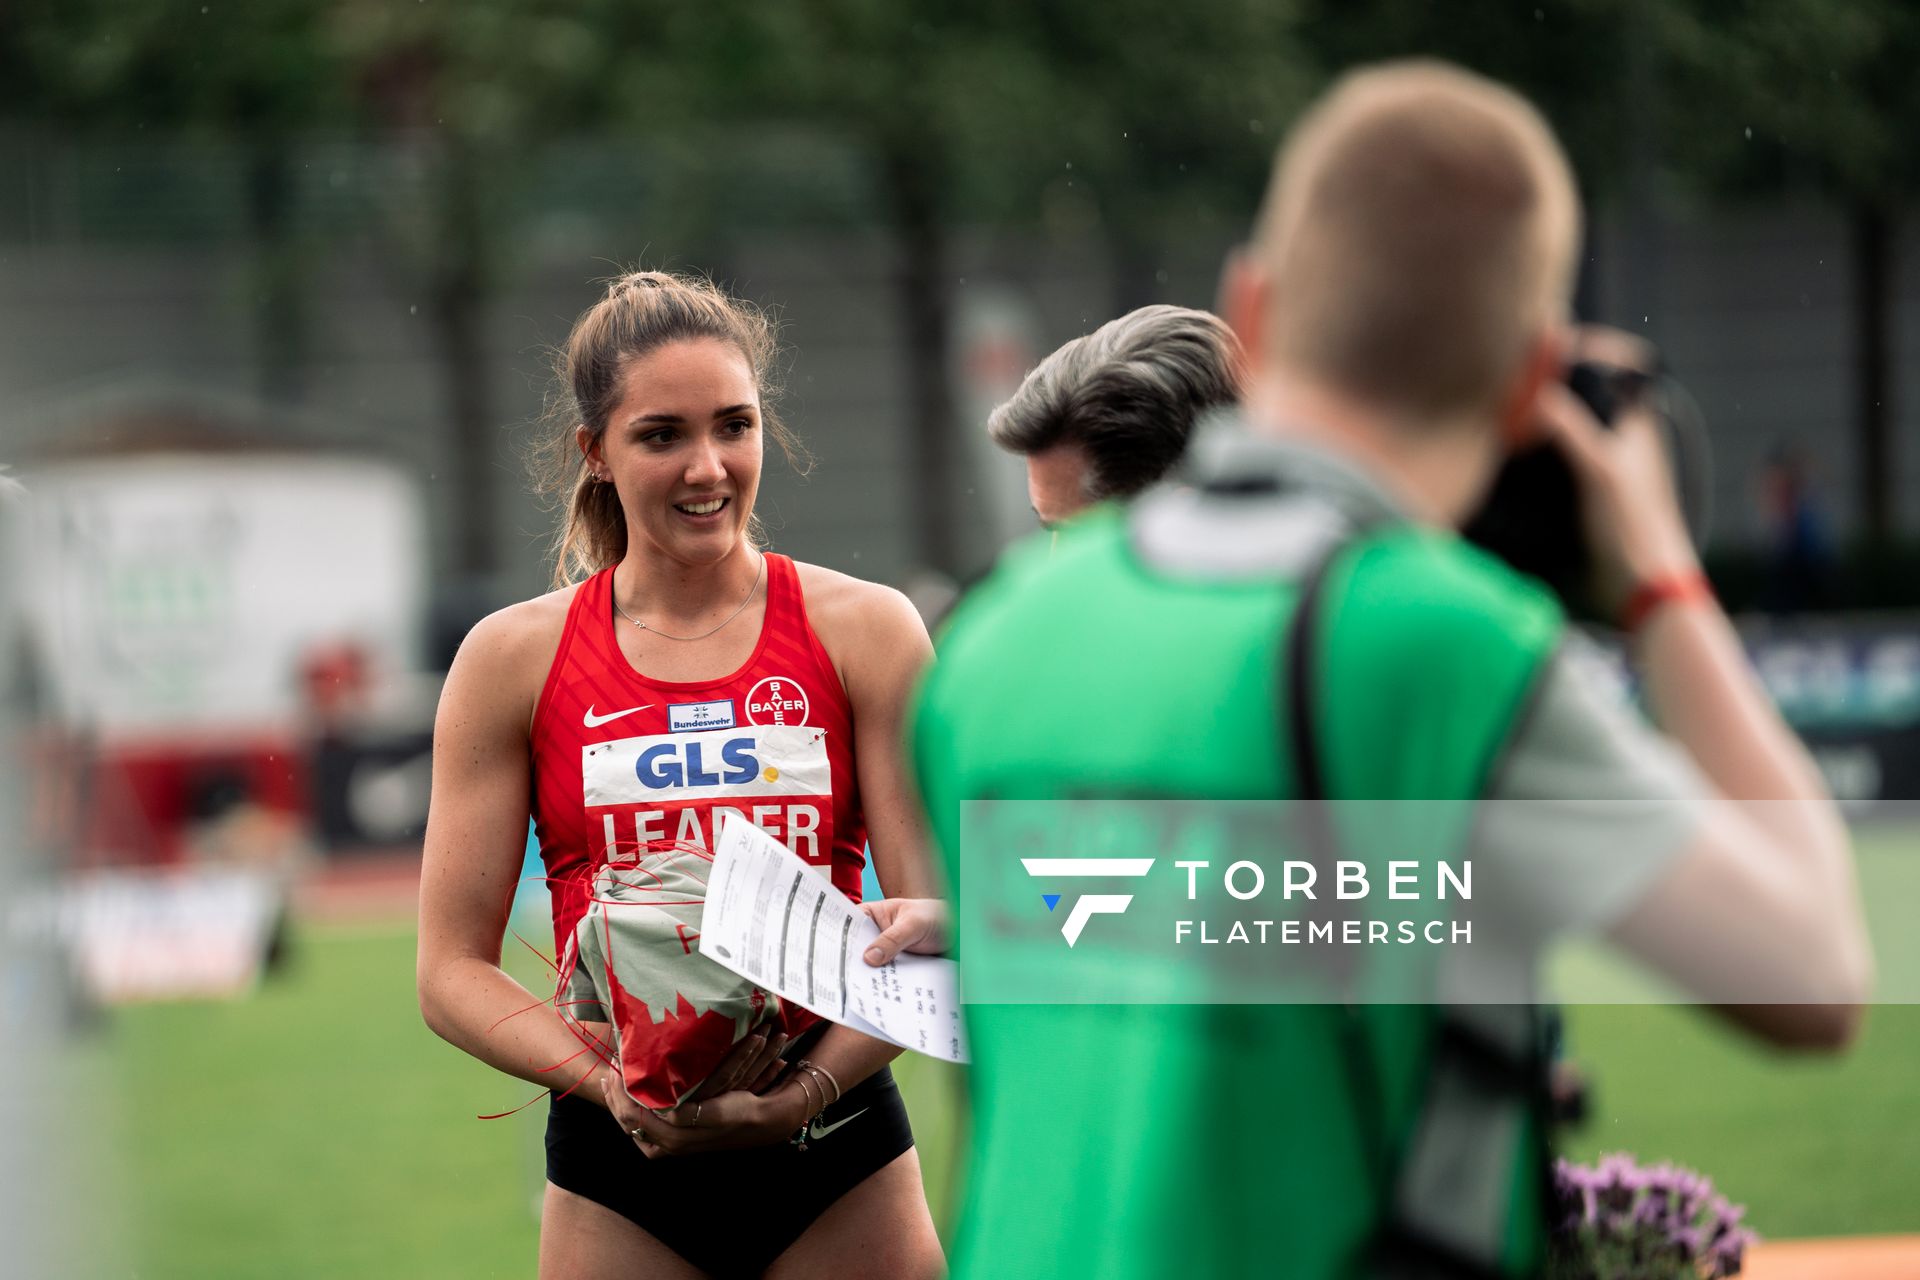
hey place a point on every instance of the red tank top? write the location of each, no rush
(623, 763)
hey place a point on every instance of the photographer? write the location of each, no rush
(1304, 624)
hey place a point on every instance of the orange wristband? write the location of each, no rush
(1650, 596)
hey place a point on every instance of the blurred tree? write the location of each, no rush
(1139, 119)
(453, 97)
(991, 110)
(1732, 99)
(965, 111)
(1573, 58)
(462, 96)
(253, 73)
(1766, 98)
(1169, 118)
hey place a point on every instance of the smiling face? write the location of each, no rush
(683, 448)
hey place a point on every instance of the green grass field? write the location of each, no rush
(318, 1129)
(1813, 1145)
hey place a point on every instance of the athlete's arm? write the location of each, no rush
(894, 652)
(1763, 901)
(885, 648)
(877, 642)
(476, 826)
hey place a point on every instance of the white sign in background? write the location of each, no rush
(182, 592)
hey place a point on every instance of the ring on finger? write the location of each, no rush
(638, 1132)
(696, 1113)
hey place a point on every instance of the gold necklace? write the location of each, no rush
(704, 634)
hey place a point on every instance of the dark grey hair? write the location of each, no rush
(1128, 393)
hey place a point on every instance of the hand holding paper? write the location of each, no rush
(919, 925)
(781, 924)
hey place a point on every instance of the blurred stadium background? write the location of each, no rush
(279, 284)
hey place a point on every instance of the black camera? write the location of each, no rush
(1531, 518)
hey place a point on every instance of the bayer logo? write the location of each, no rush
(777, 700)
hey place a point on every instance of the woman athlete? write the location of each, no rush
(689, 672)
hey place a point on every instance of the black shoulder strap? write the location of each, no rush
(1315, 829)
(1400, 1249)
(1310, 775)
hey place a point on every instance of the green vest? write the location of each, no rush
(1210, 1140)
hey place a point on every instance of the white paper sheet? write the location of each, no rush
(781, 924)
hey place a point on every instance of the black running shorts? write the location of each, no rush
(729, 1213)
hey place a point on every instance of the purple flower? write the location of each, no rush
(1659, 1223)
(1616, 1183)
(1728, 1254)
(1657, 1207)
(1573, 1197)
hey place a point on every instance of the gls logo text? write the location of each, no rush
(661, 766)
(1091, 904)
(706, 764)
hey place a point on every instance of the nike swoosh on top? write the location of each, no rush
(816, 1132)
(593, 721)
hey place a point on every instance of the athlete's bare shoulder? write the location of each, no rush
(504, 659)
(839, 602)
(855, 618)
(509, 633)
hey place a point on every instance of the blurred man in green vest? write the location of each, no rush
(1300, 624)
